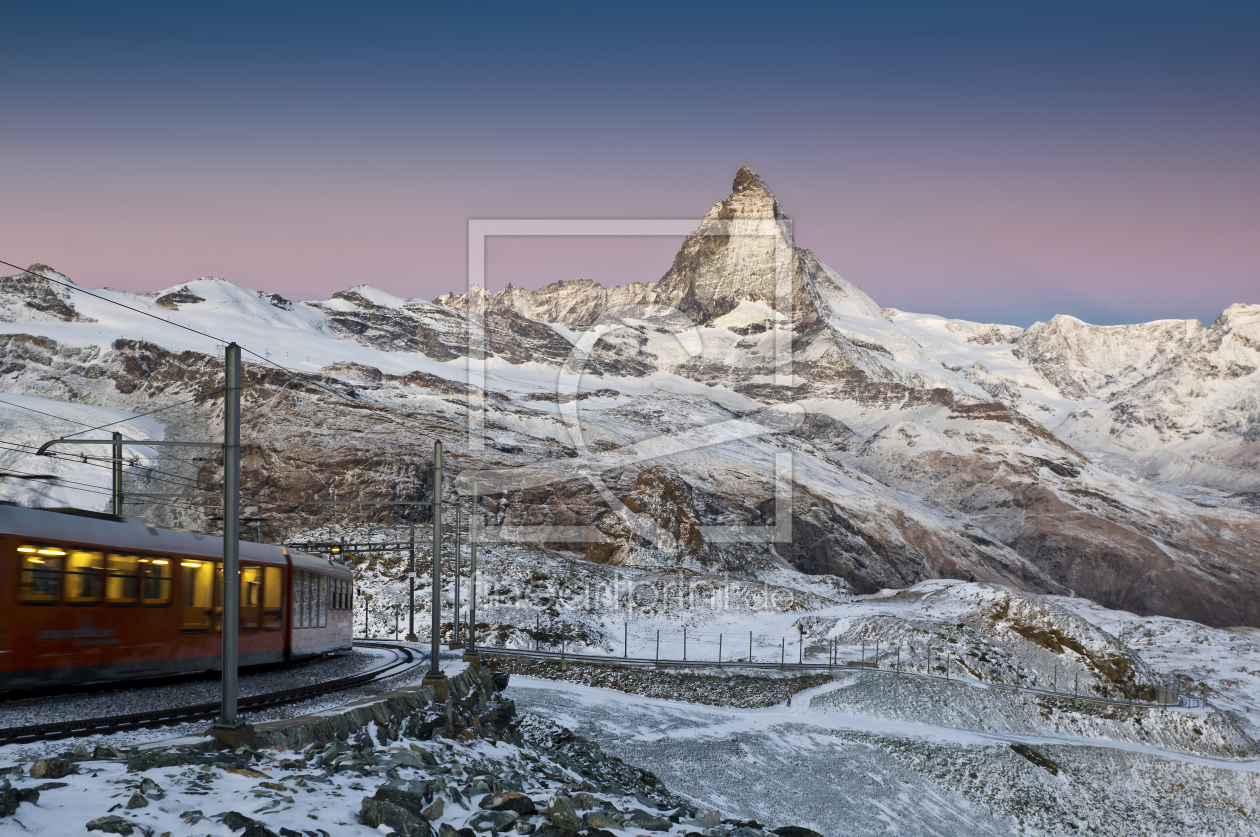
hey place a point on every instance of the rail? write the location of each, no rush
(404, 659)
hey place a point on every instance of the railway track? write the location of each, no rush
(1183, 701)
(404, 659)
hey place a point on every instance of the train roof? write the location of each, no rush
(134, 534)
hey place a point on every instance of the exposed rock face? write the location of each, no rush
(30, 296)
(647, 423)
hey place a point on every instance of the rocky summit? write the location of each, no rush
(748, 413)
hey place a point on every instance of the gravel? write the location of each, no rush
(116, 701)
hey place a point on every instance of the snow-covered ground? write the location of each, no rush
(852, 774)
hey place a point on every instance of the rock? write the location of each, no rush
(745, 831)
(425, 755)
(140, 761)
(601, 819)
(192, 817)
(234, 820)
(648, 822)
(8, 801)
(54, 768)
(562, 813)
(583, 801)
(551, 830)
(599, 832)
(445, 830)
(151, 789)
(524, 827)
(492, 820)
(374, 813)
(508, 801)
(434, 810)
(115, 824)
(138, 800)
(412, 795)
(795, 831)
(500, 679)
(257, 829)
(47, 786)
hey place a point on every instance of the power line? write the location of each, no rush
(73, 485)
(151, 412)
(309, 378)
(111, 424)
(17, 447)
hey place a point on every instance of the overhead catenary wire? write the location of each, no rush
(73, 485)
(173, 479)
(119, 421)
(304, 376)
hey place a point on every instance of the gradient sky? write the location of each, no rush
(987, 160)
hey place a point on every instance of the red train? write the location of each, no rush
(87, 597)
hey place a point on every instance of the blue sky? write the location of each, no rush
(994, 161)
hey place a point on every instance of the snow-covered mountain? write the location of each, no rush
(1117, 463)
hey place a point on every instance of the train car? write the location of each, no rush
(88, 597)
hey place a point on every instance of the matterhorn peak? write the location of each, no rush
(747, 180)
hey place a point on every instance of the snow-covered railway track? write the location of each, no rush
(1183, 701)
(402, 660)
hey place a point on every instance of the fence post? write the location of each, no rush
(877, 653)
(719, 650)
(750, 647)
(625, 652)
(658, 645)
(684, 642)
(782, 652)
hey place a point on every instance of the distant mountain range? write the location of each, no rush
(1119, 463)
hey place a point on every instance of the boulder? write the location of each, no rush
(115, 824)
(562, 814)
(548, 829)
(500, 679)
(602, 819)
(151, 789)
(374, 813)
(235, 820)
(492, 821)
(413, 795)
(54, 768)
(508, 801)
(434, 810)
(795, 831)
(445, 830)
(138, 800)
(648, 822)
(257, 829)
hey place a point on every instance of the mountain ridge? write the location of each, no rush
(926, 447)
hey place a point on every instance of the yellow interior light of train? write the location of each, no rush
(190, 563)
(52, 550)
(35, 560)
(27, 549)
(161, 561)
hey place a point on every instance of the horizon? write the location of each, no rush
(985, 163)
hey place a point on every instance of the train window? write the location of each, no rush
(85, 576)
(196, 585)
(155, 581)
(41, 574)
(321, 600)
(273, 598)
(122, 583)
(251, 597)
